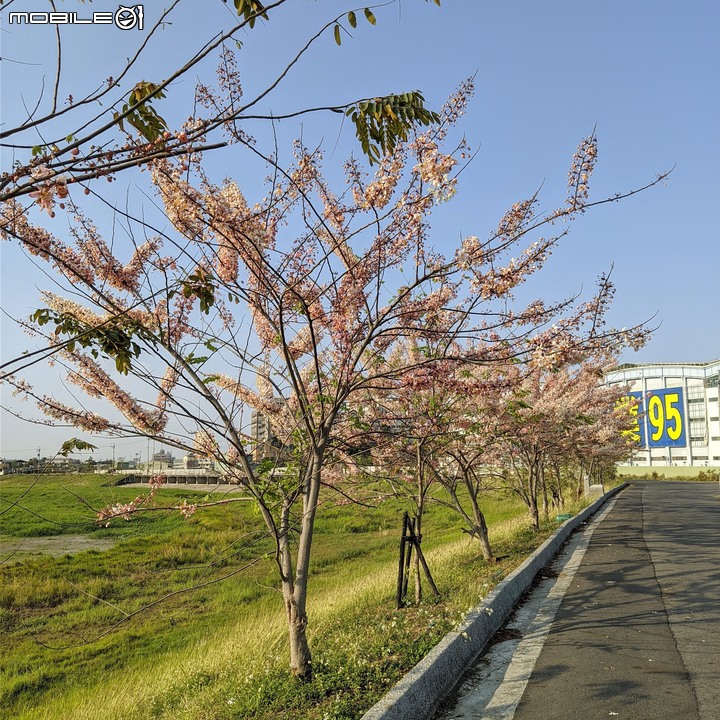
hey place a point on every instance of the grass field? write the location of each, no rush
(182, 618)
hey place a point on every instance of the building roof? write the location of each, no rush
(641, 365)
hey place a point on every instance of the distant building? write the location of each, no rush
(193, 462)
(163, 457)
(679, 411)
(266, 445)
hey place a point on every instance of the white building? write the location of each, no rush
(679, 412)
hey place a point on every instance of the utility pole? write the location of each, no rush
(113, 465)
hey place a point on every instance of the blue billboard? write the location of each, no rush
(661, 418)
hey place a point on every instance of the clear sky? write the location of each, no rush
(643, 73)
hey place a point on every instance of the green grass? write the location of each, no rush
(219, 651)
(36, 506)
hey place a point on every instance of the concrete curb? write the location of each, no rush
(418, 695)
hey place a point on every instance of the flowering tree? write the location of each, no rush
(549, 418)
(430, 428)
(462, 468)
(403, 419)
(599, 440)
(289, 308)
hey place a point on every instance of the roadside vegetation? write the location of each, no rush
(300, 327)
(708, 474)
(150, 629)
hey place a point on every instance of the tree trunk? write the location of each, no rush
(480, 529)
(481, 533)
(295, 587)
(580, 489)
(300, 657)
(535, 516)
(533, 486)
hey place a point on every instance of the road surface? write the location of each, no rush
(624, 624)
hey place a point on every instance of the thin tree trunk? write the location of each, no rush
(558, 498)
(481, 533)
(535, 517)
(300, 656)
(480, 528)
(295, 591)
(533, 484)
(580, 490)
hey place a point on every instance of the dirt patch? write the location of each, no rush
(12, 548)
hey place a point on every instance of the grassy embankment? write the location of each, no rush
(79, 644)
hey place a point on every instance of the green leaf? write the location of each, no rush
(119, 121)
(250, 10)
(381, 123)
(200, 285)
(192, 360)
(143, 116)
(73, 444)
(336, 30)
(370, 17)
(352, 19)
(114, 340)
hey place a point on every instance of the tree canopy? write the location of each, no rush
(301, 308)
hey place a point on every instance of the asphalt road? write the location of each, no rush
(624, 624)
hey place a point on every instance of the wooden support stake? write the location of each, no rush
(425, 567)
(410, 534)
(400, 597)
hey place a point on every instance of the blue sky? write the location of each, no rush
(643, 73)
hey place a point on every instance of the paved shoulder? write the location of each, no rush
(611, 652)
(629, 629)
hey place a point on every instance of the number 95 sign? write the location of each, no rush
(662, 418)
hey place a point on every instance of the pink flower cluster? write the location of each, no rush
(46, 192)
